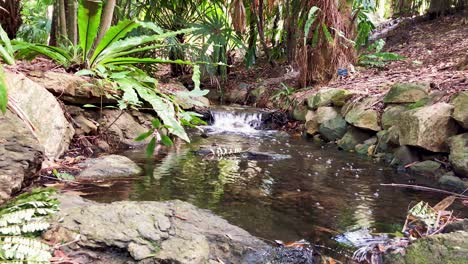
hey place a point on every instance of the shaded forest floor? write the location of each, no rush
(435, 51)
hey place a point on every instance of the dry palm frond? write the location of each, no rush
(238, 16)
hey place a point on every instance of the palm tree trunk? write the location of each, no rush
(72, 22)
(106, 19)
(62, 19)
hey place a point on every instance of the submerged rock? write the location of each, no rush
(112, 166)
(406, 93)
(453, 182)
(21, 154)
(428, 167)
(161, 232)
(460, 111)
(459, 154)
(427, 127)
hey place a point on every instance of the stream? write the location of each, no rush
(297, 189)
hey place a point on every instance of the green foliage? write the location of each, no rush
(6, 49)
(156, 137)
(284, 95)
(21, 221)
(375, 57)
(63, 175)
(36, 26)
(3, 91)
(89, 18)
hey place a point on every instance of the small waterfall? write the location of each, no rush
(239, 122)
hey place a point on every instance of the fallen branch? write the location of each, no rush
(424, 188)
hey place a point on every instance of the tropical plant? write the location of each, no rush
(6, 49)
(3, 91)
(375, 57)
(21, 222)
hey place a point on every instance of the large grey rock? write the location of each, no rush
(40, 107)
(363, 115)
(460, 112)
(72, 88)
(112, 166)
(405, 155)
(391, 115)
(21, 154)
(406, 93)
(160, 232)
(459, 154)
(125, 127)
(427, 127)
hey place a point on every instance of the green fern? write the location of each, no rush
(21, 221)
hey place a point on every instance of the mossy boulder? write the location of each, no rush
(352, 137)
(300, 112)
(333, 96)
(427, 127)
(311, 126)
(362, 115)
(427, 167)
(391, 115)
(406, 93)
(326, 113)
(460, 111)
(459, 154)
(333, 129)
(437, 249)
(364, 147)
(387, 140)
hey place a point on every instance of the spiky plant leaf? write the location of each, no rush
(3, 91)
(89, 18)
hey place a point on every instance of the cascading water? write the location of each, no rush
(235, 121)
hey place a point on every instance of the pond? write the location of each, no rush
(305, 190)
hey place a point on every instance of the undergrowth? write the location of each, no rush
(22, 221)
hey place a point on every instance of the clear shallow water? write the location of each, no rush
(318, 191)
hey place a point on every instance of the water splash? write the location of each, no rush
(237, 122)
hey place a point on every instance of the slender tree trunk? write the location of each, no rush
(72, 21)
(10, 17)
(54, 26)
(62, 19)
(261, 34)
(106, 19)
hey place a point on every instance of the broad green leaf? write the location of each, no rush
(144, 136)
(156, 123)
(133, 60)
(115, 33)
(196, 76)
(310, 20)
(128, 44)
(6, 50)
(166, 141)
(6, 57)
(89, 19)
(59, 55)
(151, 147)
(3, 91)
(84, 72)
(90, 106)
(327, 33)
(163, 107)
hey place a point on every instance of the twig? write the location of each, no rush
(424, 188)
